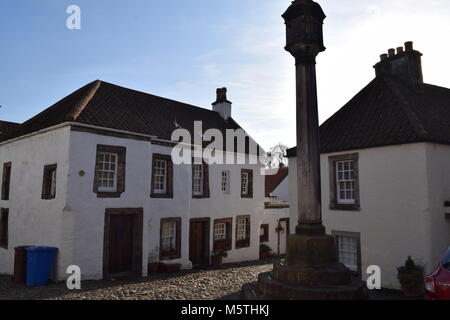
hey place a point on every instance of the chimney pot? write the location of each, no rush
(403, 63)
(409, 46)
(222, 105)
(391, 52)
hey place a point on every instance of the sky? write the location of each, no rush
(184, 50)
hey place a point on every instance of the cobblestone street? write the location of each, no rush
(208, 284)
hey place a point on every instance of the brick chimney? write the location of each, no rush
(404, 64)
(222, 105)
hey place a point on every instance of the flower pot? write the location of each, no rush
(413, 290)
(263, 255)
(413, 283)
(216, 261)
(153, 267)
(169, 268)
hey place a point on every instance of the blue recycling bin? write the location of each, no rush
(39, 265)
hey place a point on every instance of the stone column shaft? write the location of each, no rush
(308, 152)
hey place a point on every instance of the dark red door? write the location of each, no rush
(121, 244)
(198, 243)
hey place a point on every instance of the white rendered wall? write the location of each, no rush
(272, 217)
(282, 191)
(438, 161)
(86, 213)
(86, 224)
(395, 216)
(32, 220)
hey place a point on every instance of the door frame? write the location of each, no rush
(138, 215)
(207, 241)
(288, 229)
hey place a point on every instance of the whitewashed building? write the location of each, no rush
(276, 222)
(384, 168)
(93, 176)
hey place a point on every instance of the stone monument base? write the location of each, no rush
(311, 271)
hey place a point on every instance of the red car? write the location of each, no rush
(437, 285)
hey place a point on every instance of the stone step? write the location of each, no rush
(268, 287)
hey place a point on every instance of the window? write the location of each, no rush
(6, 180)
(344, 182)
(220, 231)
(109, 180)
(242, 232)
(107, 172)
(49, 182)
(246, 183)
(222, 234)
(197, 177)
(4, 213)
(264, 233)
(170, 242)
(162, 176)
(200, 180)
(225, 182)
(349, 250)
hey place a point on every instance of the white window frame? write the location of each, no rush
(102, 170)
(220, 231)
(241, 229)
(346, 251)
(53, 184)
(345, 177)
(169, 236)
(225, 182)
(197, 178)
(244, 183)
(160, 170)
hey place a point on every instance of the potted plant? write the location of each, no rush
(411, 277)
(264, 251)
(217, 256)
(153, 261)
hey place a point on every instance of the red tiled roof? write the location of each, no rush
(107, 105)
(387, 112)
(6, 127)
(273, 181)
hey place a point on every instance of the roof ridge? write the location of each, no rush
(418, 127)
(84, 101)
(10, 122)
(160, 97)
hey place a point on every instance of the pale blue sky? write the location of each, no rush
(184, 50)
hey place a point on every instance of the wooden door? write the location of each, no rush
(121, 244)
(199, 242)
